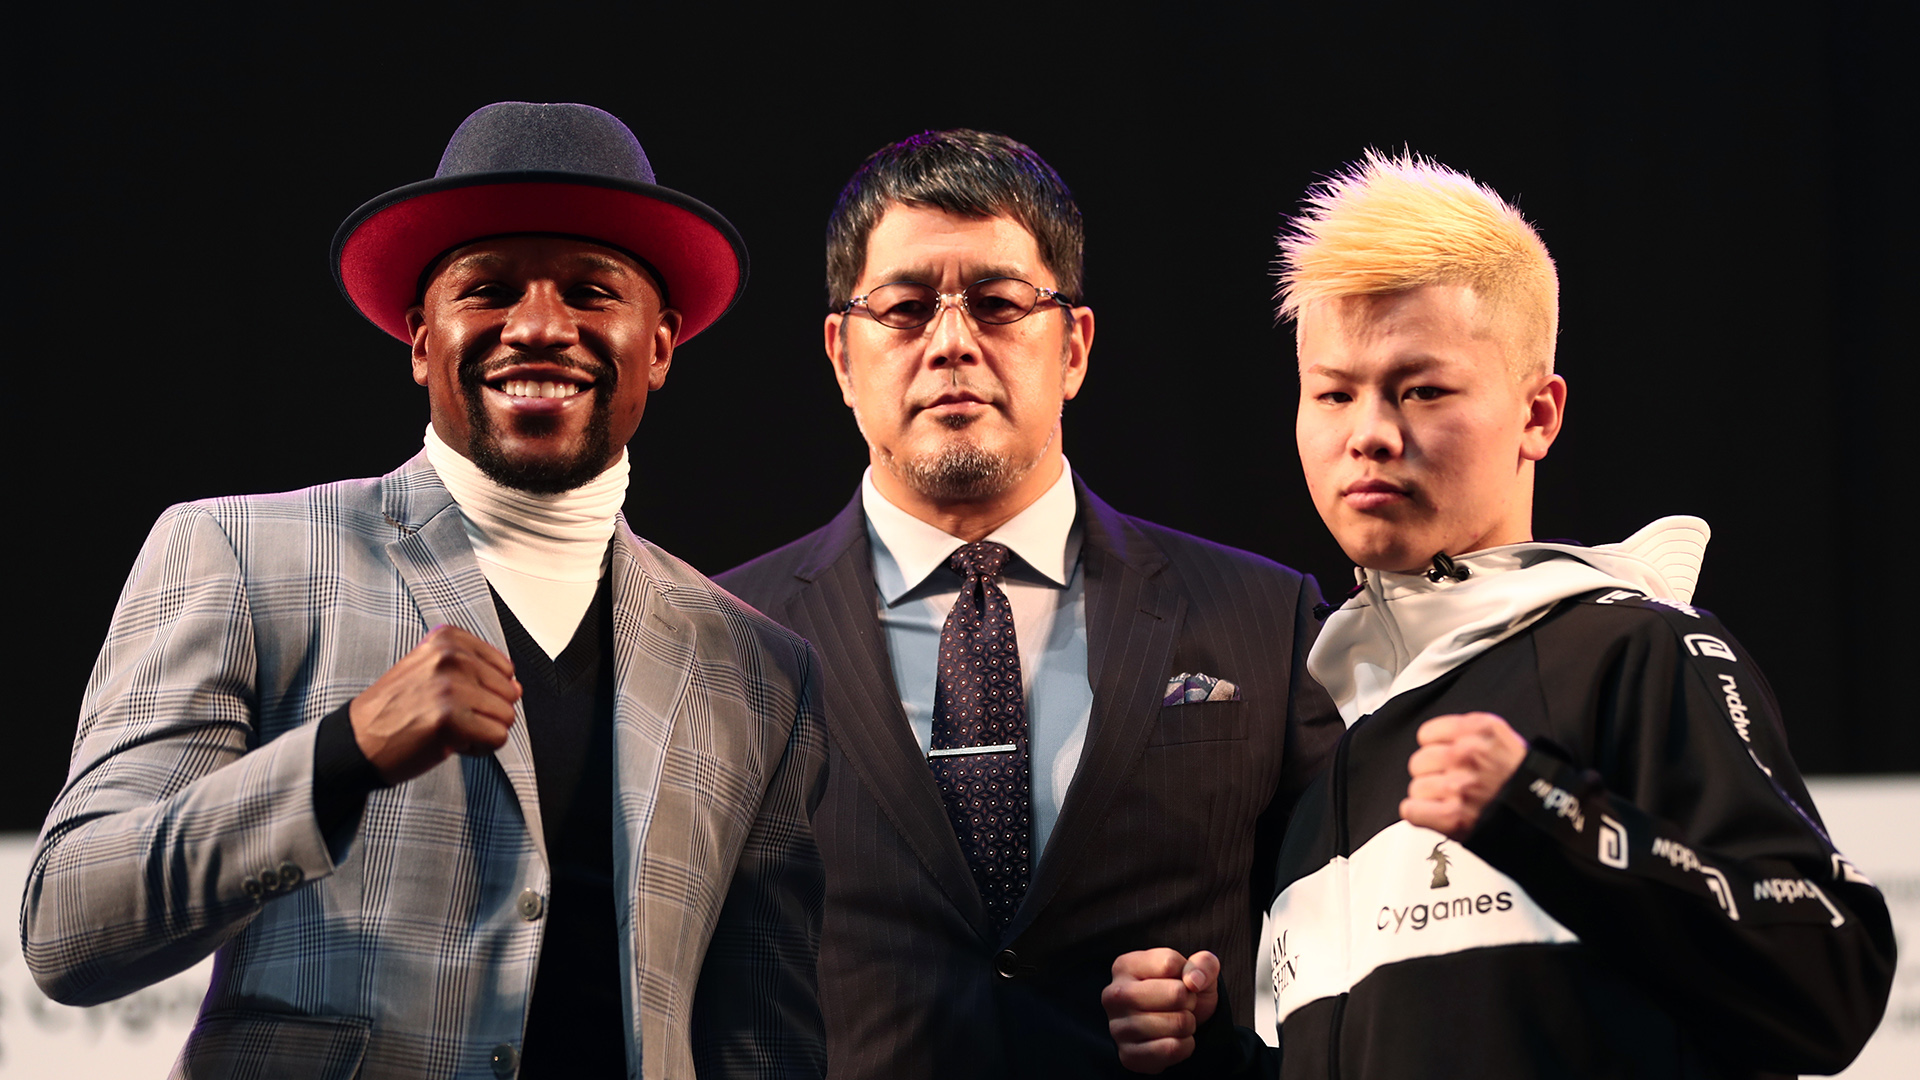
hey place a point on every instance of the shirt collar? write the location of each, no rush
(906, 550)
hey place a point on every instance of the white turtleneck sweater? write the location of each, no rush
(544, 554)
(1402, 630)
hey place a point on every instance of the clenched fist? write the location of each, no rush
(1156, 1001)
(1463, 761)
(453, 694)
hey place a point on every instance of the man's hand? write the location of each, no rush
(1156, 1001)
(1463, 761)
(453, 694)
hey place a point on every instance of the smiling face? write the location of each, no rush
(959, 416)
(538, 353)
(1415, 436)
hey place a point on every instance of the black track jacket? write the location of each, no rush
(1651, 895)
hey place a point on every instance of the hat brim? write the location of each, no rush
(380, 251)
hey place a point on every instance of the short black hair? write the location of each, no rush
(975, 173)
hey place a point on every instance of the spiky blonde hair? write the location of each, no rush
(1389, 223)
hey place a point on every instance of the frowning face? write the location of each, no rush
(1415, 436)
(538, 353)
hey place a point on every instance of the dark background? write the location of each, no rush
(1717, 193)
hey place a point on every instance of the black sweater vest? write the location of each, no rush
(577, 1023)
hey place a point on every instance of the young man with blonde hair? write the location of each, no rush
(1605, 862)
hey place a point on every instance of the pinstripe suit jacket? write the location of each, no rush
(409, 948)
(1167, 836)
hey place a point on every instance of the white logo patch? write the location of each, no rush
(1722, 891)
(1708, 645)
(1331, 929)
(1846, 871)
(1613, 843)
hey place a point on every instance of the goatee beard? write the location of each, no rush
(540, 477)
(960, 472)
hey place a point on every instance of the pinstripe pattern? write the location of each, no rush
(244, 621)
(1167, 837)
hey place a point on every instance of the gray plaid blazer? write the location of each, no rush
(409, 949)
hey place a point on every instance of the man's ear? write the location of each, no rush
(1546, 409)
(837, 355)
(1079, 345)
(666, 335)
(417, 329)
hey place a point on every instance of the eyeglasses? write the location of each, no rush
(998, 301)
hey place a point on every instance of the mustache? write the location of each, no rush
(476, 369)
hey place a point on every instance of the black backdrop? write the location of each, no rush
(1717, 194)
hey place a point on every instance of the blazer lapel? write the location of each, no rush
(1133, 622)
(653, 649)
(835, 608)
(436, 564)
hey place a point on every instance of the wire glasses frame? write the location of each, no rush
(997, 301)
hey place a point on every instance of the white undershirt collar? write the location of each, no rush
(544, 554)
(1042, 535)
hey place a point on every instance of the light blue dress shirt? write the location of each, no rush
(1049, 598)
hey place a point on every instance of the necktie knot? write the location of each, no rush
(983, 558)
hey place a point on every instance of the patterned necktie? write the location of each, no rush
(979, 756)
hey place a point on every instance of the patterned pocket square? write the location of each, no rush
(1186, 689)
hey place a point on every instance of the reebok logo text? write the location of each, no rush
(1735, 707)
(1560, 802)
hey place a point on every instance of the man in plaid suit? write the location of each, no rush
(458, 775)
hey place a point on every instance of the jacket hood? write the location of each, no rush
(1401, 631)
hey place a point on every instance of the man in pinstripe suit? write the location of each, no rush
(458, 775)
(1163, 721)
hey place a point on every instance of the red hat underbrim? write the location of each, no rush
(380, 253)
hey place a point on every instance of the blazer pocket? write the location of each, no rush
(245, 1043)
(1202, 721)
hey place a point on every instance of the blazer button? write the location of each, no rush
(531, 905)
(505, 1059)
(1008, 965)
(290, 875)
(269, 880)
(252, 887)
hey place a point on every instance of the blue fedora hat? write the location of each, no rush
(521, 167)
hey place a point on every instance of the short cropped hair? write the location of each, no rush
(974, 173)
(1386, 223)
